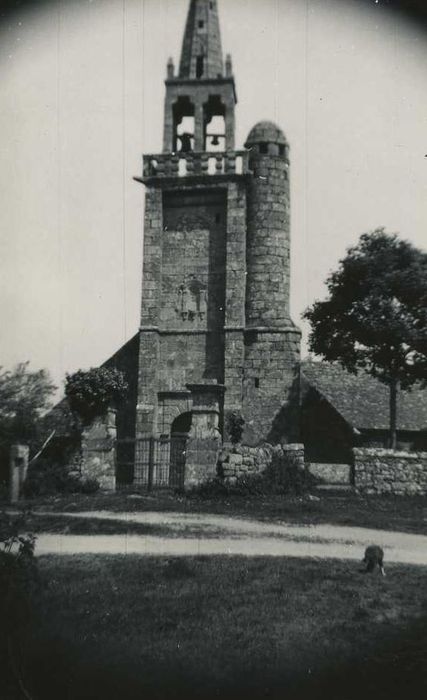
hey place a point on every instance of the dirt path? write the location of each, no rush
(234, 536)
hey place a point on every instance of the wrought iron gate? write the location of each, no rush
(151, 463)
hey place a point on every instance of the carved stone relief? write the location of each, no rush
(191, 299)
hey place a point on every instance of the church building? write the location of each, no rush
(215, 334)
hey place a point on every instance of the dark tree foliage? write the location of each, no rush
(24, 397)
(19, 585)
(375, 317)
(235, 424)
(91, 393)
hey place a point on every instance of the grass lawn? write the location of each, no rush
(405, 514)
(130, 628)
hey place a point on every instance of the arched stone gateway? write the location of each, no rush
(180, 430)
(182, 424)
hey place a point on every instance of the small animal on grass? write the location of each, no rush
(374, 556)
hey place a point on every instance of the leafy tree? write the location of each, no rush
(24, 397)
(375, 317)
(91, 393)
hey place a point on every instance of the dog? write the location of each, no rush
(374, 556)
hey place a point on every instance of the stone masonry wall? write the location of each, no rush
(272, 341)
(150, 313)
(234, 350)
(271, 386)
(193, 296)
(243, 460)
(379, 471)
(98, 452)
(183, 294)
(193, 260)
(268, 244)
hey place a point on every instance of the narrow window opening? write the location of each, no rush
(281, 149)
(201, 24)
(217, 218)
(214, 124)
(256, 382)
(263, 147)
(184, 125)
(200, 66)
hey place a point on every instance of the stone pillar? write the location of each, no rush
(98, 451)
(205, 440)
(18, 470)
(229, 120)
(199, 144)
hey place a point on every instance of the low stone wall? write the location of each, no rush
(379, 471)
(242, 460)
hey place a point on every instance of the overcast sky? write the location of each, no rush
(81, 98)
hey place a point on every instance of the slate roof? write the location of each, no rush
(363, 401)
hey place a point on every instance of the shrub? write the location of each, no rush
(46, 479)
(286, 472)
(18, 585)
(89, 486)
(235, 424)
(17, 570)
(284, 475)
(245, 485)
(90, 394)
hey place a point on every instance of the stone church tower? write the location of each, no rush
(216, 268)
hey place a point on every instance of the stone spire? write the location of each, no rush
(201, 56)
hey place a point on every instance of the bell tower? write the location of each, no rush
(215, 333)
(200, 99)
(194, 265)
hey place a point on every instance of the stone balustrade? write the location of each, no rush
(195, 163)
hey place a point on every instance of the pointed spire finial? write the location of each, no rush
(170, 68)
(201, 55)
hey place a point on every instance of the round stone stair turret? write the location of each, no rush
(268, 240)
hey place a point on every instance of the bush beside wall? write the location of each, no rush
(378, 471)
(281, 465)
